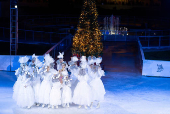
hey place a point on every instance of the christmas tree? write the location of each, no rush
(87, 39)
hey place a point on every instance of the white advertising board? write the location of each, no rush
(156, 68)
(7, 61)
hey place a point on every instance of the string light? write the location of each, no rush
(87, 40)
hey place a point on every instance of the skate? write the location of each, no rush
(57, 106)
(85, 106)
(79, 106)
(28, 107)
(48, 106)
(53, 107)
(98, 105)
(38, 104)
(43, 105)
(91, 105)
(64, 105)
(67, 105)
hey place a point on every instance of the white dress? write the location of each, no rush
(82, 92)
(59, 65)
(67, 93)
(74, 81)
(55, 95)
(35, 83)
(17, 84)
(45, 88)
(98, 90)
(64, 73)
(25, 96)
(36, 87)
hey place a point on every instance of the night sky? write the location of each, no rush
(43, 7)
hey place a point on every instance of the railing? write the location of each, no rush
(138, 32)
(61, 46)
(141, 50)
(33, 36)
(133, 35)
(155, 41)
(119, 38)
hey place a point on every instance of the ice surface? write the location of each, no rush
(127, 93)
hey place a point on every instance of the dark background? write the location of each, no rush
(37, 7)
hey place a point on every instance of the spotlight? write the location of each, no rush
(15, 6)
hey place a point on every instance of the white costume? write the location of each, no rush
(91, 61)
(98, 90)
(46, 85)
(26, 93)
(36, 77)
(55, 94)
(73, 69)
(82, 92)
(19, 73)
(67, 93)
(45, 88)
(64, 73)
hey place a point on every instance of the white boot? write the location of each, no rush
(48, 106)
(67, 105)
(64, 104)
(43, 105)
(98, 105)
(85, 106)
(91, 104)
(38, 104)
(57, 106)
(79, 106)
(53, 107)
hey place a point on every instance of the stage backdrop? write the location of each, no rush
(156, 68)
(7, 61)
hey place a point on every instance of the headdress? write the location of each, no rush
(61, 55)
(48, 60)
(83, 59)
(98, 60)
(23, 59)
(34, 56)
(91, 60)
(74, 58)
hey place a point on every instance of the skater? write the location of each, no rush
(82, 93)
(66, 93)
(96, 84)
(19, 73)
(63, 72)
(73, 69)
(34, 67)
(26, 93)
(46, 85)
(55, 94)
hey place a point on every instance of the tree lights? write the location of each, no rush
(87, 40)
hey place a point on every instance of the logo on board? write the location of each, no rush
(160, 68)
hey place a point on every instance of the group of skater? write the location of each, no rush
(41, 84)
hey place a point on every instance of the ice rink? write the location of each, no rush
(126, 93)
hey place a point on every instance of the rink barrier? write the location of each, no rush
(141, 50)
(156, 68)
(10, 63)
